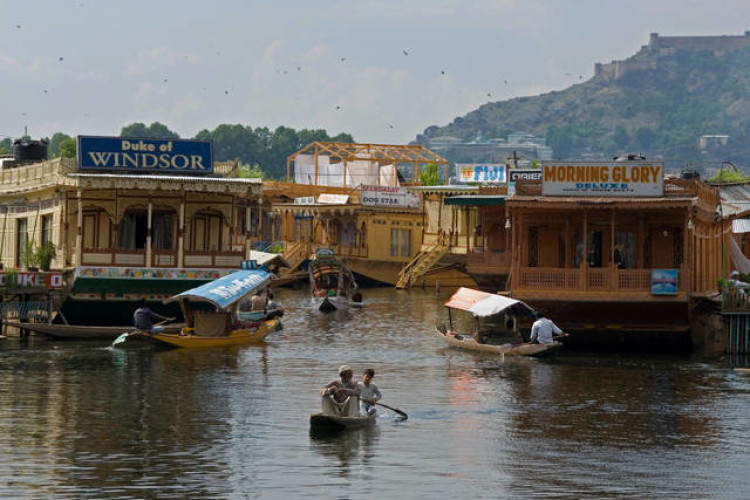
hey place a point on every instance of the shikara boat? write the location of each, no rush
(322, 422)
(483, 305)
(211, 313)
(332, 284)
(84, 332)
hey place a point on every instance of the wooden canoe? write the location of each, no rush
(84, 332)
(236, 337)
(467, 342)
(322, 422)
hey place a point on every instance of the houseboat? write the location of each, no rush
(129, 218)
(615, 252)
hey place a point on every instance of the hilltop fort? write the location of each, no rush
(661, 46)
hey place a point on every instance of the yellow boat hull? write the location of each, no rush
(236, 337)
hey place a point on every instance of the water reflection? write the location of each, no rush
(347, 449)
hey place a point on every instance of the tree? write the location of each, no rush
(5, 146)
(621, 137)
(560, 139)
(154, 131)
(53, 146)
(251, 171)
(644, 138)
(68, 148)
(430, 175)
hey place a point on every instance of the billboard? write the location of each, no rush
(483, 173)
(388, 196)
(108, 154)
(527, 174)
(602, 179)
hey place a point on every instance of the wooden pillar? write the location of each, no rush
(514, 252)
(248, 224)
(79, 230)
(260, 218)
(569, 256)
(149, 225)
(585, 260)
(316, 164)
(181, 234)
(613, 285)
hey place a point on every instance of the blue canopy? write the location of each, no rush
(227, 290)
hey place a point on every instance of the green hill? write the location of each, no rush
(658, 102)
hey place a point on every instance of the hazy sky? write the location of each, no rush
(379, 69)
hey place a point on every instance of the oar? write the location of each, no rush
(124, 336)
(401, 413)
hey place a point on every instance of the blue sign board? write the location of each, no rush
(106, 154)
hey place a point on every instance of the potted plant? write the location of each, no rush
(45, 254)
(30, 259)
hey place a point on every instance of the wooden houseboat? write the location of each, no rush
(128, 223)
(356, 200)
(615, 251)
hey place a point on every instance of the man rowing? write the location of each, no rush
(337, 394)
(544, 331)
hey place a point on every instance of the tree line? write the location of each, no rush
(259, 150)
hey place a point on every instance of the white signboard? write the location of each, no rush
(602, 179)
(333, 199)
(388, 196)
(483, 173)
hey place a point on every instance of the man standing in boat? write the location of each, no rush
(143, 318)
(544, 330)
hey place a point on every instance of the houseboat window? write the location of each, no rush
(405, 242)
(206, 232)
(162, 229)
(624, 253)
(90, 229)
(46, 229)
(21, 238)
(394, 242)
(594, 248)
(132, 231)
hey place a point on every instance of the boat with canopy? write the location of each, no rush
(332, 284)
(211, 313)
(484, 305)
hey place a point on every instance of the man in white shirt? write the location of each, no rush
(543, 330)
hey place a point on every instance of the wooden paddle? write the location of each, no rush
(124, 337)
(396, 410)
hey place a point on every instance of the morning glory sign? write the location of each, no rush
(482, 173)
(106, 154)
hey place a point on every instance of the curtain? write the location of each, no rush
(126, 232)
(162, 231)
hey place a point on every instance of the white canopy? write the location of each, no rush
(482, 304)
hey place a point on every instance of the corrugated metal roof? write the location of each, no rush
(476, 201)
(175, 178)
(741, 226)
(735, 199)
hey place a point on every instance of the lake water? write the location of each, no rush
(79, 419)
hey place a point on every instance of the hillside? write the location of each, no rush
(659, 102)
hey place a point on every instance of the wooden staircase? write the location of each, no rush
(420, 264)
(295, 254)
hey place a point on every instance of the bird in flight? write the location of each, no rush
(405, 52)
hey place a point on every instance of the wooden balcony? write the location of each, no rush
(160, 258)
(589, 284)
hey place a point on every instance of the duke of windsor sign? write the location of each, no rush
(144, 155)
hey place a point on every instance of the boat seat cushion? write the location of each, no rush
(211, 324)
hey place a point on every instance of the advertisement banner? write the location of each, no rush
(483, 173)
(526, 174)
(387, 196)
(52, 281)
(107, 154)
(602, 179)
